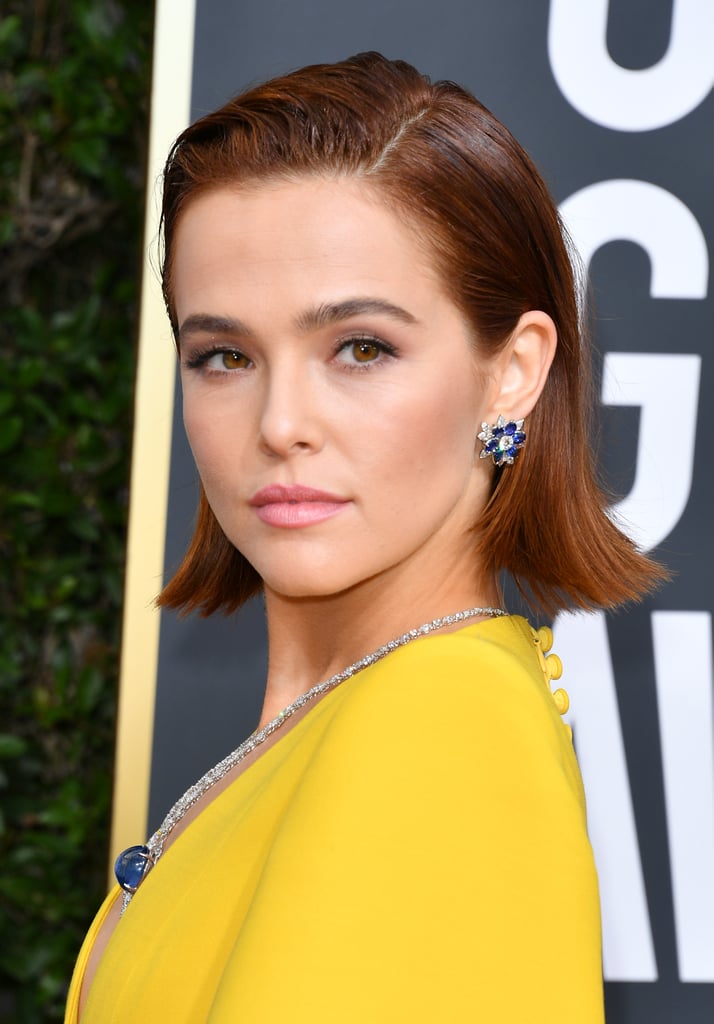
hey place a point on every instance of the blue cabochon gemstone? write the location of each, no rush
(519, 437)
(130, 867)
(510, 428)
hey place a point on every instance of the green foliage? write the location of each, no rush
(73, 124)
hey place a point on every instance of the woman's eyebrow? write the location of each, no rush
(320, 316)
(205, 323)
(333, 312)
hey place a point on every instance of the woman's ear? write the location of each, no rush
(522, 366)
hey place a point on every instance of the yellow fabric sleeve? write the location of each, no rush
(72, 1007)
(440, 870)
(413, 850)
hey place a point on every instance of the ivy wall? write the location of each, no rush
(74, 79)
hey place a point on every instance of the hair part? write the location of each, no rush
(443, 162)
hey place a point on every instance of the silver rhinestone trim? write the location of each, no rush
(194, 793)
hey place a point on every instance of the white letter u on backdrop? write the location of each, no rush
(613, 96)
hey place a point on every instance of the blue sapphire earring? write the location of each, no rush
(503, 441)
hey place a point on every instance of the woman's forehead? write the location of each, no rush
(327, 240)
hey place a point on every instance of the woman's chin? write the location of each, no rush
(312, 583)
(301, 589)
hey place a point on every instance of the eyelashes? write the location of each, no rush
(232, 358)
(364, 350)
(356, 353)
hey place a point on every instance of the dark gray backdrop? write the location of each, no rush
(211, 672)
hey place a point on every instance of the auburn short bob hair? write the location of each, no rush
(448, 167)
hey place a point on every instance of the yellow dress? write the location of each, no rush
(414, 849)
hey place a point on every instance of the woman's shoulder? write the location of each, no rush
(468, 709)
(500, 667)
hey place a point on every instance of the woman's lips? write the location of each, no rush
(295, 506)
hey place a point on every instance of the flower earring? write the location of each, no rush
(503, 441)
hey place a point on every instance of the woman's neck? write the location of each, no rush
(312, 638)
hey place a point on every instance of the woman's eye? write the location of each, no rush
(232, 360)
(361, 351)
(218, 360)
(365, 351)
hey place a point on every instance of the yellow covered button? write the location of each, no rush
(544, 638)
(562, 701)
(552, 665)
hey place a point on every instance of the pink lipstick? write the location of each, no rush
(291, 506)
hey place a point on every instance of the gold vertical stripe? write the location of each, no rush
(154, 396)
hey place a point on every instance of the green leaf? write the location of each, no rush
(10, 431)
(11, 746)
(10, 32)
(7, 227)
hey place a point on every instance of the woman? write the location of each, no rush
(370, 294)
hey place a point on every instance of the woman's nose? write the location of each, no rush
(290, 418)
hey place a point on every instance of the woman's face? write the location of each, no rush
(332, 395)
